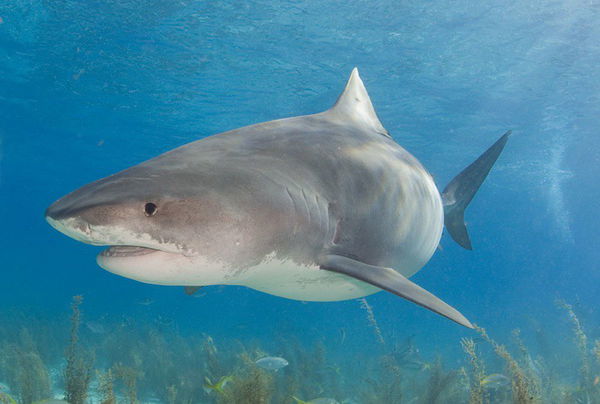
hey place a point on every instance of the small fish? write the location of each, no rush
(494, 381)
(162, 321)
(334, 368)
(77, 75)
(596, 380)
(320, 400)
(407, 356)
(272, 363)
(51, 401)
(145, 302)
(95, 327)
(218, 386)
(410, 359)
(420, 366)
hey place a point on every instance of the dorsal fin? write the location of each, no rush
(354, 104)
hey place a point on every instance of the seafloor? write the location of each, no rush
(129, 361)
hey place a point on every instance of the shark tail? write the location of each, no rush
(460, 191)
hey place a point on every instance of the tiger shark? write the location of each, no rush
(322, 207)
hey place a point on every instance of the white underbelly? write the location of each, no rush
(288, 279)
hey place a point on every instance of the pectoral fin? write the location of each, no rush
(392, 281)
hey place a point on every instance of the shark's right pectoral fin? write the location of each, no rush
(392, 281)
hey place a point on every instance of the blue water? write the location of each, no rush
(88, 88)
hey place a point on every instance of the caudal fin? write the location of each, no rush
(461, 190)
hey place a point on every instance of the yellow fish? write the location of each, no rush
(218, 386)
(494, 381)
(6, 399)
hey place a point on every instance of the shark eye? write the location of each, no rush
(150, 209)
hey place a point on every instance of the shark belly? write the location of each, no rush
(416, 235)
(299, 281)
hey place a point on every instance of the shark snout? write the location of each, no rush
(76, 215)
(74, 228)
(101, 219)
(72, 204)
(57, 211)
(63, 216)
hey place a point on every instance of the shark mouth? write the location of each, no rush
(151, 262)
(127, 251)
(144, 264)
(106, 236)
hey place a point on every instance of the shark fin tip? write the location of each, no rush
(461, 190)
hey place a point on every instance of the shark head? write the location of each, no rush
(161, 225)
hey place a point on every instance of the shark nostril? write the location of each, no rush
(150, 209)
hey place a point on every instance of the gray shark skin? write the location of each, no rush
(321, 207)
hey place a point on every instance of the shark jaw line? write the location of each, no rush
(117, 239)
(138, 263)
(142, 258)
(127, 251)
(159, 267)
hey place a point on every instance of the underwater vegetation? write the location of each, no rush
(23, 368)
(78, 370)
(124, 361)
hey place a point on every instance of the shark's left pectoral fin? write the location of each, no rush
(392, 281)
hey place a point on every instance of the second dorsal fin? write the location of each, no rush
(355, 105)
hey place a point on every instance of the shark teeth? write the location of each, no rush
(126, 251)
